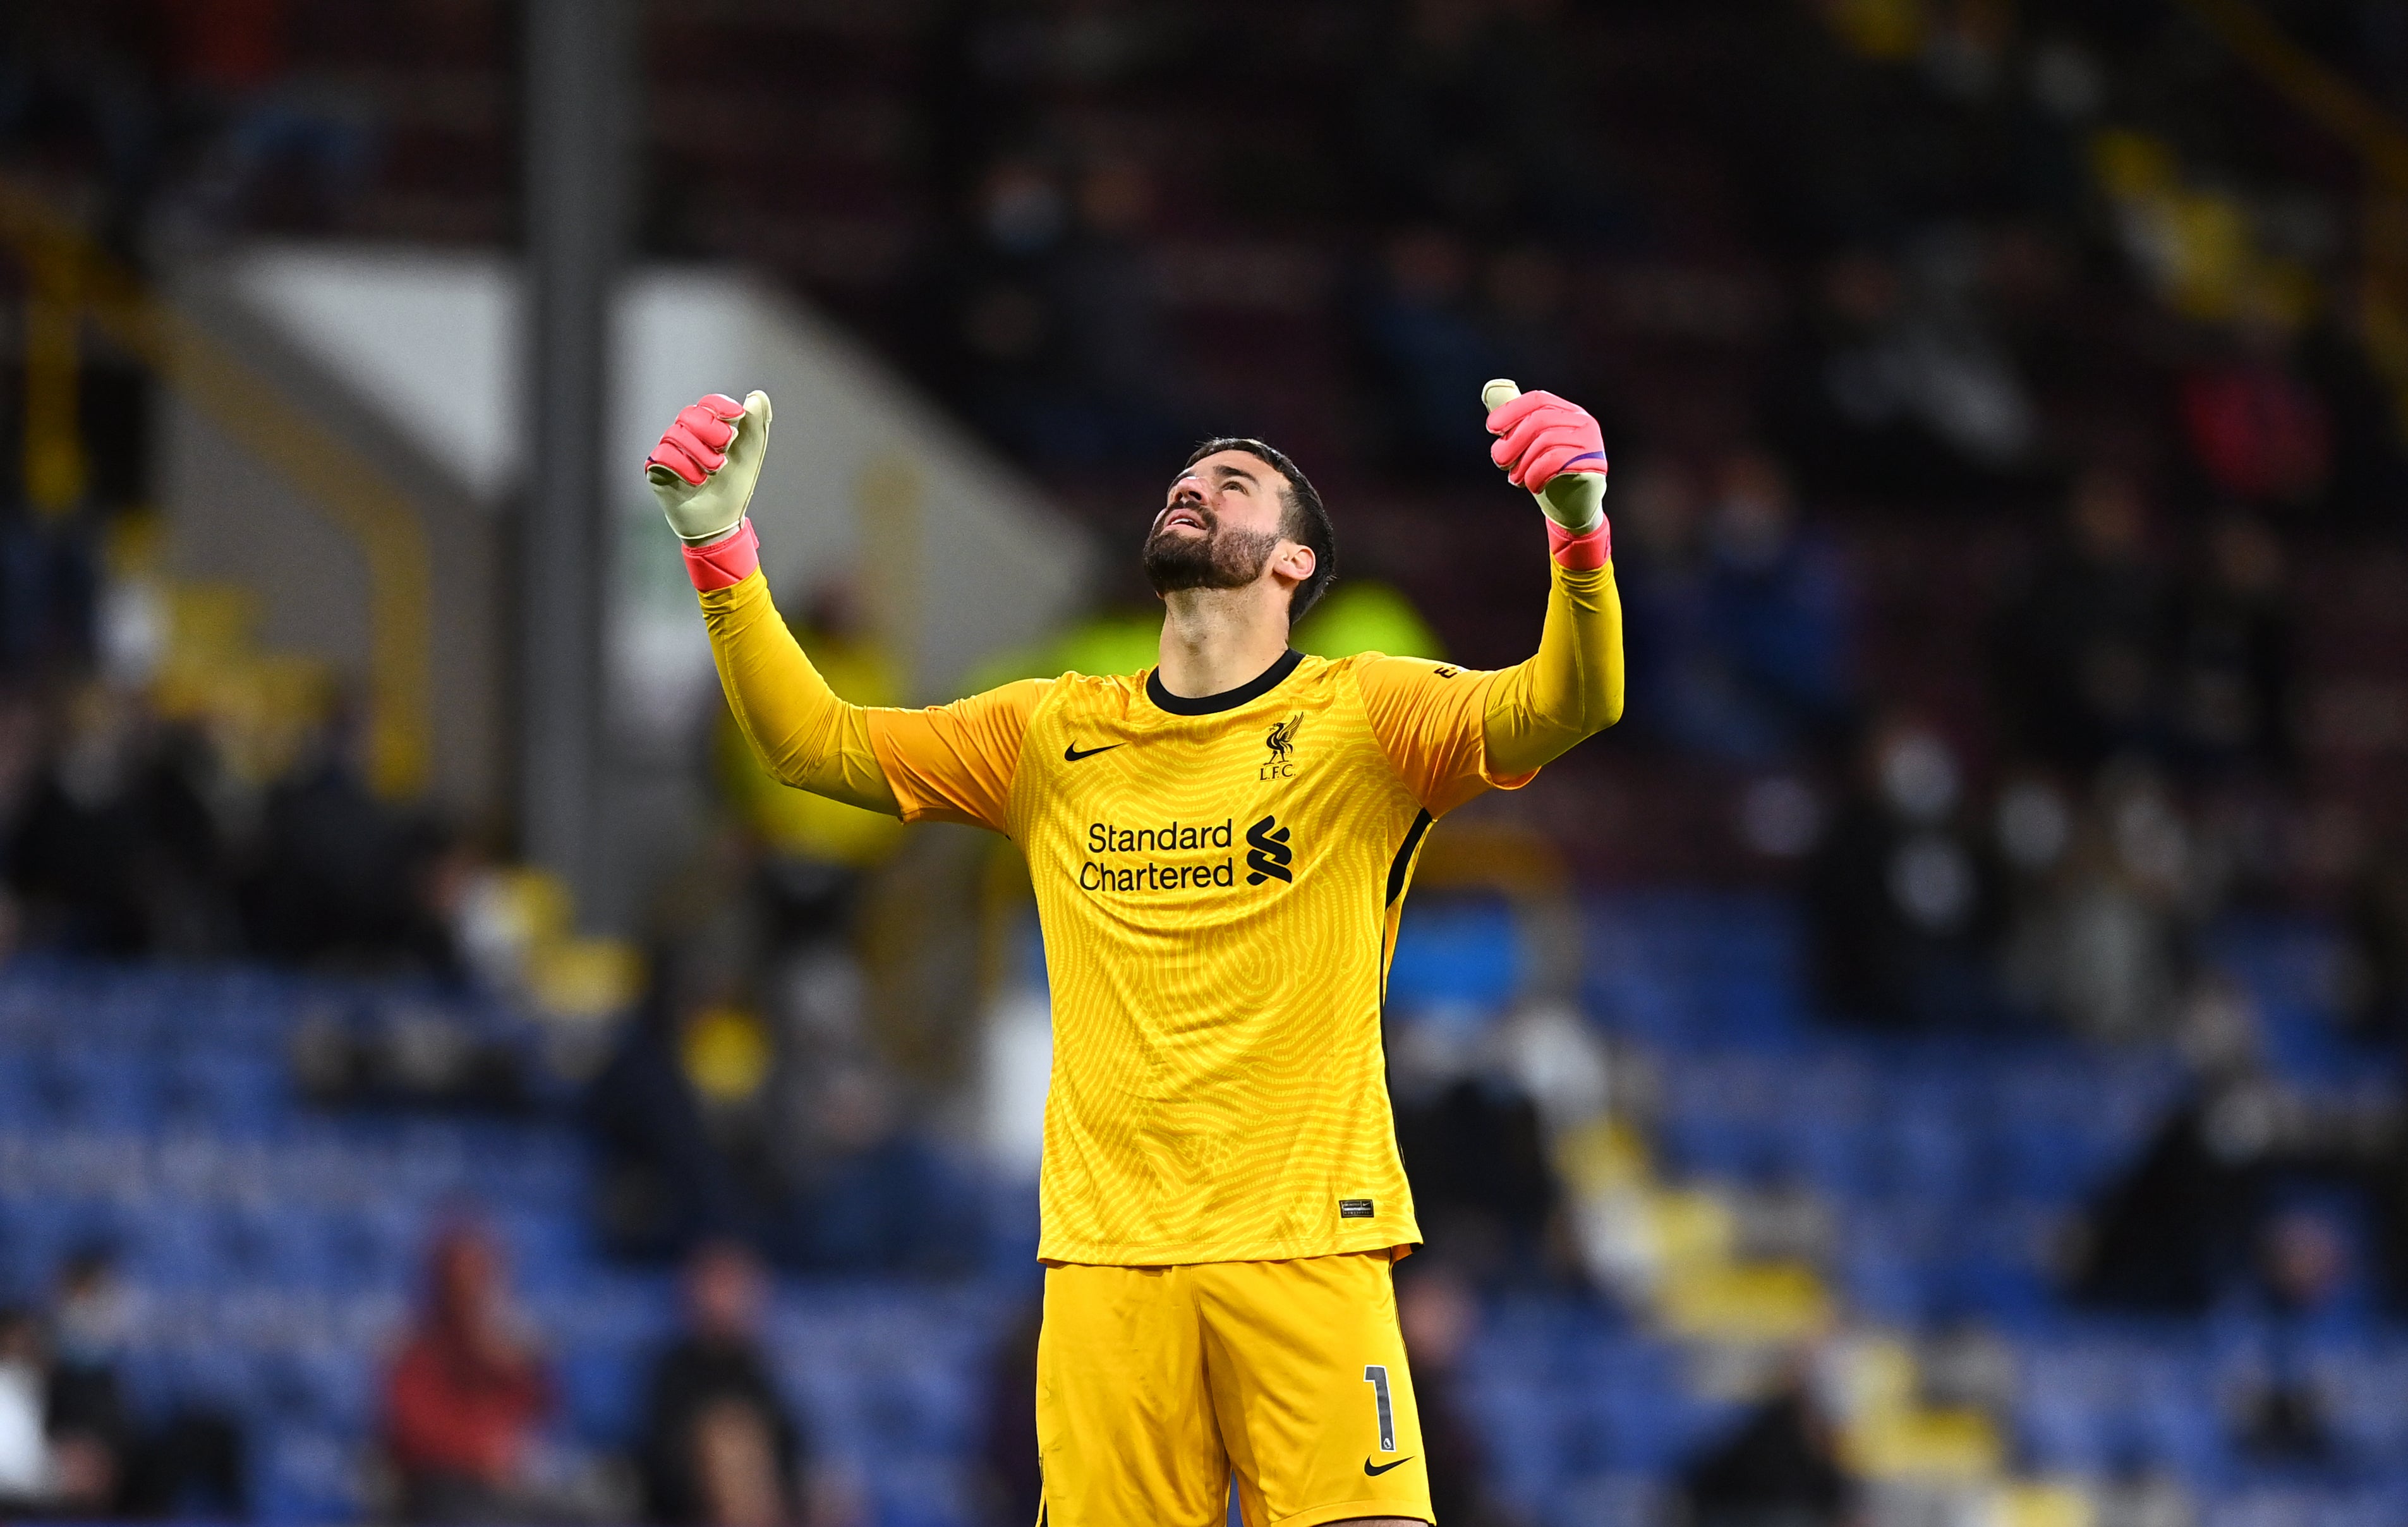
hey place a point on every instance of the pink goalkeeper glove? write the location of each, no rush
(1540, 436)
(1555, 449)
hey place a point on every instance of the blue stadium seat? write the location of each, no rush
(300, 1233)
(1455, 950)
(236, 1094)
(79, 1086)
(601, 1391)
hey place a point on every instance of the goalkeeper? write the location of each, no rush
(1220, 846)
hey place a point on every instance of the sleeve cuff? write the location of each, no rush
(1579, 554)
(726, 562)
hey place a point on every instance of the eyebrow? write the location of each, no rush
(1224, 470)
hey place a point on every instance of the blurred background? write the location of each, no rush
(1937, 1064)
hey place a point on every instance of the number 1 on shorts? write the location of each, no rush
(1376, 1375)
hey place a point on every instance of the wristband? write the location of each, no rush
(1580, 553)
(726, 562)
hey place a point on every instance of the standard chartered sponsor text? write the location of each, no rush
(1107, 840)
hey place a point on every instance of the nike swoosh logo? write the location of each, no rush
(1072, 754)
(1383, 1468)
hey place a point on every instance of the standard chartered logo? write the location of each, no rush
(1122, 858)
(1268, 854)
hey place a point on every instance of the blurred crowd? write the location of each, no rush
(1998, 395)
(181, 121)
(129, 834)
(468, 1394)
(1933, 297)
(470, 1390)
(73, 1441)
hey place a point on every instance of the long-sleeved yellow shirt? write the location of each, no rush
(1218, 880)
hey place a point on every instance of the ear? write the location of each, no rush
(1293, 562)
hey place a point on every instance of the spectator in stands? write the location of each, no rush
(69, 1446)
(2102, 943)
(1002, 340)
(1440, 1318)
(1778, 606)
(269, 135)
(28, 1473)
(1659, 565)
(1482, 1184)
(2232, 682)
(2303, 1269)
(2375, 1003)
(1471, 116)
(2080, 654)
(2257, 432)
(1525, 304)
(46, 589)
(664, 1184)
(1895, 385)
(77, 833)
(343, 877)
(1053, 315)
(870, 1196)
(76, 105)
(2170, 1233)
(1740, 618)
(1423, 355)
(1900, 898)
(116, 850)
(1119, 326)
(1781, 1468)
(702, 1139)
(91, 1432)
(720, 1446)
(1836, 407)
(1013, 1483)
(184, 1463)
(465, 1394)
(2375, 988)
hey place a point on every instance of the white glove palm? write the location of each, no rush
(707, 464)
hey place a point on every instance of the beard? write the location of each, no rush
(1221, 558)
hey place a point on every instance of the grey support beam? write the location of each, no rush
(581, 100)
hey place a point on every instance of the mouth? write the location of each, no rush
(1182, 515)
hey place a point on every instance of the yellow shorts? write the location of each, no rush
(1154, 1385)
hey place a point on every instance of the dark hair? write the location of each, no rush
(1305, 522)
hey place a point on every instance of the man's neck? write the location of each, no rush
(1215, 639)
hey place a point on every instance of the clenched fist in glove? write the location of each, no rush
(1554, 449)
(704, 469)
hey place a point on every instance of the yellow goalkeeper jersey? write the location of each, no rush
(1219, 882)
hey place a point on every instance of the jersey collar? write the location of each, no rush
(1211, 705)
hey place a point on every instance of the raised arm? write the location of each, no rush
(1572, 687)
(947, 763)
(1452, 733)
(803, 732)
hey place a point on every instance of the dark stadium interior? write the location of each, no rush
(1942, 1054)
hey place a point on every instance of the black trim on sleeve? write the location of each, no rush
(1209, 705)
(1404, 859)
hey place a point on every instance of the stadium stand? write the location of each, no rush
(2100, 227)
(274, 1247)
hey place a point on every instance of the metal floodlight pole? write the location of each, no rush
(579, 111)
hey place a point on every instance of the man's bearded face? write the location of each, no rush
(1178, 557)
